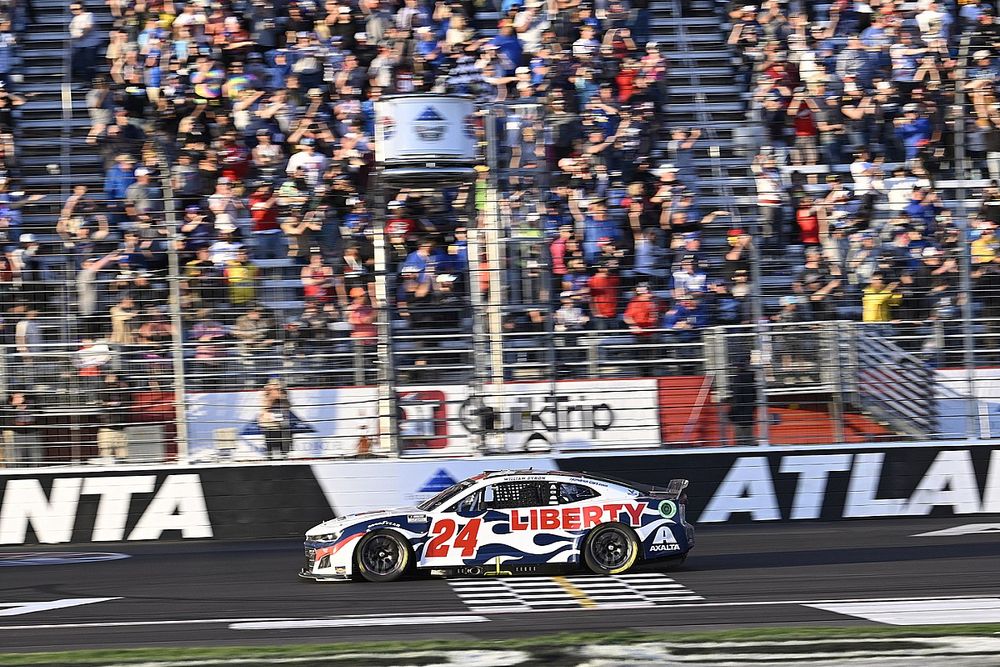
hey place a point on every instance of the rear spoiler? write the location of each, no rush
(674, 490)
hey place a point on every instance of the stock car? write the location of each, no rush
(508, 523)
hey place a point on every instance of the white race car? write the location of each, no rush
(505, 523)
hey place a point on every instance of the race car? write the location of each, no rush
(506, 523)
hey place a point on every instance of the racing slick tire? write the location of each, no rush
(383, 556)
(611, 548)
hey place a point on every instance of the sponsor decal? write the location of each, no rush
(668, 509)
(417, 518)
(664, 541)
(177, 505)
(576, 518)
(430, 125)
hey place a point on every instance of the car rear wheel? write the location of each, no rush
(611, 548)
(383, 556)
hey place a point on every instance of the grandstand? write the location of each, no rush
(782, 214)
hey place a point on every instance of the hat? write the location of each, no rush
(191, 209)
(263, 132)
(789, 300)
(748, 8)
(344, 10)
(911, 108)
(692, 236)
(446, 278)
(981, 54)
(481, 168)
(27, 238)
(735, 231)
(394, 204)
(225, 180)
(652, 46)
(224, 223)
(930, 251)
(308, 141)
(142, 171)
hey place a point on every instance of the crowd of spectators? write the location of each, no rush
(861, 113)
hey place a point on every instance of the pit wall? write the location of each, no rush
(258, 501)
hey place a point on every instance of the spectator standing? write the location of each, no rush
(242, 277)
(20, 432)
(84, 42)
(28, 342)
(122, 314)
(878, 300)
(113, 398)
(275, 420)
(604, 291)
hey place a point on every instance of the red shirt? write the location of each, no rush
(808, 226)
(644, 312)
(805, 122)
(604, 294)
(264, 219)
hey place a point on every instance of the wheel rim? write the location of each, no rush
(381, 555)
(611, 548)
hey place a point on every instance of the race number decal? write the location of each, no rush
(443, 531)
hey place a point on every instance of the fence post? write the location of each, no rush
(176, 318)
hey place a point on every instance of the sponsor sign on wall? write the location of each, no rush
(236, 502)
(827, 485)
(525, 416)
(264, 501)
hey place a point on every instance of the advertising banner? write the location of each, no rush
(825, 484)
(424, 128)
(443, 421)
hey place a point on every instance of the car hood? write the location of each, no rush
(340, 523)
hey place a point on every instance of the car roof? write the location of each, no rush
(565, 474)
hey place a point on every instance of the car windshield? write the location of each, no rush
(445, 495)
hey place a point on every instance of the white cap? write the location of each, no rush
(142, 171)
(224, 223)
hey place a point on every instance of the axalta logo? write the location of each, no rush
(664, 541)
(438, 482)
(177, 504)
(576, 518)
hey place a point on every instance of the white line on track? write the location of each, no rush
(356, 622)
(429, 617)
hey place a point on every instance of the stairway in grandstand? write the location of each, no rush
(48, 132)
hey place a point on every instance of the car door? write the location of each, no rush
(478, 528)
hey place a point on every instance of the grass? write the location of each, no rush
(541, 642)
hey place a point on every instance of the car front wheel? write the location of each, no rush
(611, 548)
(383, 556)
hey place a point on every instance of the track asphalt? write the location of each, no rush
(227, 593)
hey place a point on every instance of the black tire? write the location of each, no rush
(611, 548)
(383, 556)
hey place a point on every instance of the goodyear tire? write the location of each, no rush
(611, 548)
(383, 556)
